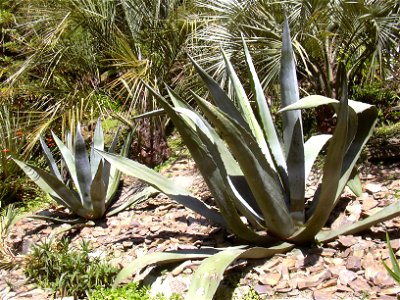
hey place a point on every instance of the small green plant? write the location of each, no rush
(394, 272)
(8, 217)
(68, 272)
(95, 181)
(130, 291)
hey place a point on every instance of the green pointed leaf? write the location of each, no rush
(261, 178)
(163, 184)
(82, 166)
(266, 119)
(50, 159)
(292, 128)
(69, 161)
(247, 111)
(98, 143)
(159, 258)
(98, 191)
(53, 186)
(354, 183)
(389, 212)
(220, 97)
(137, 198)
(309, 102)
(312, 148)
(208, 276)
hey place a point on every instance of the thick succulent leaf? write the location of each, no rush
(389, 212)
(50, 159)
(55, 219)
(208, 276)
(293, 138)
(98, 143)
(330, 187)
(311, 150)
(111, 175)
(82, 166)
(228, 167)
(69, 160)
(220, 97)
(354, 183)
(367, 118)
(53, 186)
(163, 184)
(160, 258)
(247, 111)
(209, 169)
(262, 179)
(266, 120)
(98, 191)
(137, 198)
(309, 102)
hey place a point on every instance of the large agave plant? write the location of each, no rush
(95, 181)
(257, 177)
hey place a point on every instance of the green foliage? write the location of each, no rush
(8, 217)
(130, 291)
(394, 272)
(13, 139)
(95, 181)
(68, 272)
(385, 98)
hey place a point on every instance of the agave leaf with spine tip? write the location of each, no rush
(247, 111)
(266, 119)
(219, 96)
(210, 171)
(160, 258)
(135, 199)
(208, 276)
(82, 166)
(53, 186)
(330, 187)
(50, 159)
(98, 143)
(293, 137)
(69, 161)
(98, 192)
(164, 185)
(312, 148)
(262, 179)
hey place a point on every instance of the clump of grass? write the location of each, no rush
(68, 272)
(130, 291)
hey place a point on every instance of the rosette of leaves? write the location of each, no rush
(257, 175)
(88, 190)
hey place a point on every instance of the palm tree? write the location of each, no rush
(93, 49)
(362, 33)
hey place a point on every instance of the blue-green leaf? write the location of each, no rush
(82, 166)
(98, 143)
(50, 159)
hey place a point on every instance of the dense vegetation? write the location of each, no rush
(148, 66)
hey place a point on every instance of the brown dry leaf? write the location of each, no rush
(341, 221)
(270, 278)
(359, 285)
(368, 203)
(322, 295)
(353, 263)
(348, 240)
(313, 280)
(346, 276)
(372, 187)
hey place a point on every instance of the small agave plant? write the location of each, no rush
(95, 181)
(257, 176)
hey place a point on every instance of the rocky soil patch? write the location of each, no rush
(350, 267)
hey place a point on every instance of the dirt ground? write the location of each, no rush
(348, 268)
